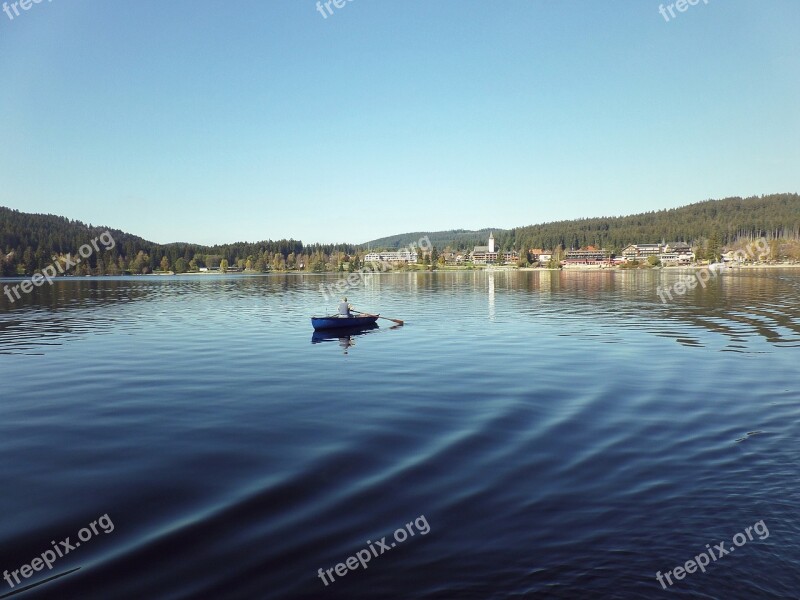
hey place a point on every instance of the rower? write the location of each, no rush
(344, 308)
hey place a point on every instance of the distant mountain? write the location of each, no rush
(456, 238)
(772, 216)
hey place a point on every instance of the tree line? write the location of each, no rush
(724, 222)
(30, 242)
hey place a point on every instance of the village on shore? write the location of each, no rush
(639, 255)
(425, 257)
(709, 232)
(633, 256)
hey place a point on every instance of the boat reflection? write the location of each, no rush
(344, 335)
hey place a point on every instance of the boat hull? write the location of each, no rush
(326, 323)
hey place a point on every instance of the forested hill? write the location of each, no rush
(456, 238)
(28, 243)
(775, 215)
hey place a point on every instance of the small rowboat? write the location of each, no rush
(337, 322)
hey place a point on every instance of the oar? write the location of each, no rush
(398, 321)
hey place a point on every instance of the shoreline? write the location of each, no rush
(573, 268)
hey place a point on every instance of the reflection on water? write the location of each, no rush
(739, 305)
(345, 336)
(490, 281)
(566, 434)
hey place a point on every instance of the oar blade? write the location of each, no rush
(398, 321)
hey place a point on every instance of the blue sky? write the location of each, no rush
(226, 121)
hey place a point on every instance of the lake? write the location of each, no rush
(532, 435)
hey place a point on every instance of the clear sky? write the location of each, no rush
(227, 121)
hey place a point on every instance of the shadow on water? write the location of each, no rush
(345, 336)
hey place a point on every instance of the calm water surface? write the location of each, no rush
(565, 435)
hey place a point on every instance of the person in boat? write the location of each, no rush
(344, 309)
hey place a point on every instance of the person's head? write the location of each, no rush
(344, 298)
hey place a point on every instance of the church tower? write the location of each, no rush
(491, 241)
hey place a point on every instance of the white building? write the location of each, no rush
(484, 254)
(401, 256)
(676, 252)
(641, 251)
(675, 258)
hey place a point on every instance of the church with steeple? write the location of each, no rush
(482, 255)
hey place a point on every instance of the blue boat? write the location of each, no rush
(341, 322)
